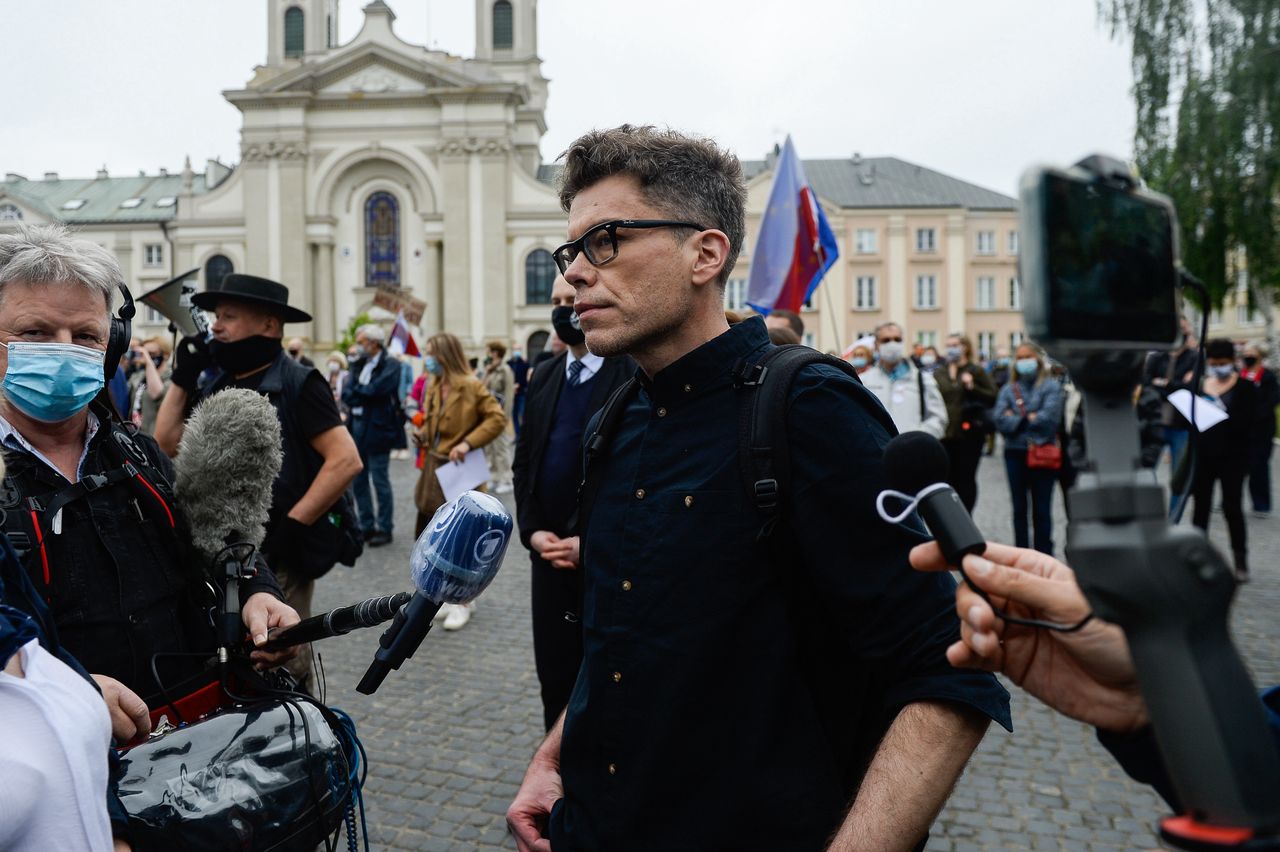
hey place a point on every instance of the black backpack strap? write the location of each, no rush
(920, 385)
(595, 445)
(762, 423)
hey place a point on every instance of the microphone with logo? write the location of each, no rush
(915, 468)
(453, 561)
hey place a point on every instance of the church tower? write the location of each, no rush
(300, 28)
(506, 30)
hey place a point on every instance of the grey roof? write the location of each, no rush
(102, 196)
(874, 182)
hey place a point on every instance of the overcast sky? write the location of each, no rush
(978, 89)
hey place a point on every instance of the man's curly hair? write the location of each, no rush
(686, 177)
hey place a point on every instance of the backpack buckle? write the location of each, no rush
(750, 376)
(94, 481)
(766, 493)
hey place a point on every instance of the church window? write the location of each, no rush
(10, 213)
(382, 240)
(539, 275)
(502, 25)
(215, 269)
(293, 40)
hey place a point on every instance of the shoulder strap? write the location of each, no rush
(762, 423)
(924, 412)
(1017, 392)
(595, 445)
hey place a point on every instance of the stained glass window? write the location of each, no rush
(215, 269)
(293, 38)
(539, 275)
(382, 240)
(502, 26)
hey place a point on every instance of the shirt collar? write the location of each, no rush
(11, 438)
(710, 365)
(591, 364)
(899, 372)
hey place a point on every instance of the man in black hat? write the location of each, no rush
(311, 516)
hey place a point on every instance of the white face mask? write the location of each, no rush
(891, 351)
(928, 359)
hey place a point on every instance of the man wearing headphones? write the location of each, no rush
(87, 501)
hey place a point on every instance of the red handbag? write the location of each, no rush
(1039, 456)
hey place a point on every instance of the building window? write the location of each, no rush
(986, 293)
(926, 292)
(293, 37)
(328, 30)
(10, 213)
(865, 241)
(926, 239)
(865, 296)
(1013, 242)
(735, 295)
(1015, 294)
(986, 242)
(1215, 316)
(539, 275)
(154, 317)
(1248, 316)
(215, 269)
(809, 340)
(986, 344)
(927, 338)
(503, 35)
(1015, 340)
(382, 240)
(153, 254)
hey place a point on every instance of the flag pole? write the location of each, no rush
(839, 343)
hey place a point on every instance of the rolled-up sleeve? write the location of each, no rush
(895, 620)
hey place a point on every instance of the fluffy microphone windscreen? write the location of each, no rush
(227, 461)
(914, 461)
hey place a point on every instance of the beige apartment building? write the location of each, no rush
(381, 163)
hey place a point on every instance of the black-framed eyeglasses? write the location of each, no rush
(600, 244)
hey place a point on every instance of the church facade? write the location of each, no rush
(383, 164)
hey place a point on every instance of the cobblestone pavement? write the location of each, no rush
(449, 735)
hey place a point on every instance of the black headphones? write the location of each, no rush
(121, 332)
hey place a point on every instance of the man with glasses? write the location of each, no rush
(704, 716)
(909, 394)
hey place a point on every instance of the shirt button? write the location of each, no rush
(688, 388)
(613, 769)
(688, 500)
(626, 585)
(662, 412)
(617, 677)
(639, 493)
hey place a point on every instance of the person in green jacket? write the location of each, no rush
(969, 393)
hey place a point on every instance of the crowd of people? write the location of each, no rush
(713, 673)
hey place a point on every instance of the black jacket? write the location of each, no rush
(539, 414)
(381, 421)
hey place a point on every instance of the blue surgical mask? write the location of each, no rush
(859, 363)
(50, 382)
(432, 366)
(1026, 366)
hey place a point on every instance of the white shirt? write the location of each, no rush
(591, 365)
(901, 398)
(53, 762)
(367, 373)
(12, 439)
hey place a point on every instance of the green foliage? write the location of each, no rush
(1207, 87)
(349, 334)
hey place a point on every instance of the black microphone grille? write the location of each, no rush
(914, 461)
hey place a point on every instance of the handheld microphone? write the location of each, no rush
(915, 467)
(453, 561)
(338, 621)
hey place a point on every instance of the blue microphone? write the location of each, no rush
(453, 561)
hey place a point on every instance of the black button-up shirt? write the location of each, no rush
(729, 699)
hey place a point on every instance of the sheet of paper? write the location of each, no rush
(1207, 414)
(457, 477)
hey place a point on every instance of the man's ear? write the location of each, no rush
(712, 249)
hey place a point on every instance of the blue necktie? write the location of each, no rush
(575, 373)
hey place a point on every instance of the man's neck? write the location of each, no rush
(51, 439)
(680, 342)
(579, 351)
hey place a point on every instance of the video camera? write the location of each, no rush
(1103, 287)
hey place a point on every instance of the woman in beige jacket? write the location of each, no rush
(459, 415)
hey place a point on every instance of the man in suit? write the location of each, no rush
(372, 393)
(563, 394)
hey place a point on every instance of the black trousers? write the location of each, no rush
(1231, 473)
(557, 641)
(1260, 475)
(964, 455)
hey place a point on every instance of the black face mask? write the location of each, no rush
(241, 356)
(565, 321)
(1250, 361)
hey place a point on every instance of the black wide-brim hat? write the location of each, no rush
(271, 295)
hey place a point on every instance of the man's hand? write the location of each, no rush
(459, 451)
(190, 359)
(129, 714)
(538, 793)
(563, 553)
(1087, 675)
(966, 381)
(261, 612)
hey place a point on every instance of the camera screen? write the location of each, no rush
(1110, 264)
